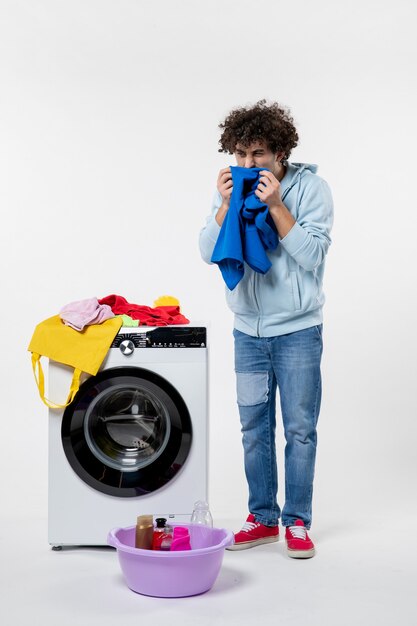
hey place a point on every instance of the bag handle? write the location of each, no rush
(40, 381)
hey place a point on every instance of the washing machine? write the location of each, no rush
(134, 439)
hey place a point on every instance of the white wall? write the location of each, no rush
(108, 148)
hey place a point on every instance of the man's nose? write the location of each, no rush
(249, 162)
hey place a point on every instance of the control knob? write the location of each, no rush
(127, 347)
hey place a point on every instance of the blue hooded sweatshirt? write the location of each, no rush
(289, 296)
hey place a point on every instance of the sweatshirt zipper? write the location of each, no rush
(257, 305)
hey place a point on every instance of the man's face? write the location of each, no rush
(258, 155)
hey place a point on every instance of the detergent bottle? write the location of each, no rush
(144, 532)
(158, 533)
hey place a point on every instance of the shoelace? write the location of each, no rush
(298, 532)
(247, 526)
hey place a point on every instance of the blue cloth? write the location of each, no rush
(247, 231)
(291, 362)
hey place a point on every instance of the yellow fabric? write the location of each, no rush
(166, 301)
(84, 351)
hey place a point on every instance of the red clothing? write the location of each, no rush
(147, 316)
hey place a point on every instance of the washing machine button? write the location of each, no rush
(127, 347)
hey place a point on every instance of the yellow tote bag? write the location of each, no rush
(83, 350)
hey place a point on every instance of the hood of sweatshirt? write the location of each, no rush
(295, 172)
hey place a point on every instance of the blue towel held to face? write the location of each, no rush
(247, 231)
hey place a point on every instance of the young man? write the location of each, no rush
(277, 318)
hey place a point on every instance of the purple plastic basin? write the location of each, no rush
(172, 574)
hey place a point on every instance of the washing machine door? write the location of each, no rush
(127, 433)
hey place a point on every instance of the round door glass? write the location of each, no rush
(127, 428)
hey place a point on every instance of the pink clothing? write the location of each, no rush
(180, 539)
(83, 313)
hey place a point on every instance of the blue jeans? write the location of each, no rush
(293, 363)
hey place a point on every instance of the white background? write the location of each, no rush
(108, 167)
(108, 156)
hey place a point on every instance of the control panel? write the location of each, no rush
(164, 337)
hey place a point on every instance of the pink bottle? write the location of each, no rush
(180, 539)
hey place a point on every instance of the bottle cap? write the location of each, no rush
(160, 522)
(201, 504)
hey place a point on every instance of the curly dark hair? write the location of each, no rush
(271, 123)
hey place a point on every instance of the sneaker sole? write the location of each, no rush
(301, 554)
(252, 544)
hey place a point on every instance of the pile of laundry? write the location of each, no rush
(82, 313)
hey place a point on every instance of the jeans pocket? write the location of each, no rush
(319, 330)
(252, 388)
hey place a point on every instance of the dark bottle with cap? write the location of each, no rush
(158, 533)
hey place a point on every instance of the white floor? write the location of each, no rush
(360, 575)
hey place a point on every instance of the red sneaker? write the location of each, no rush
(299, 544)
(254, 534)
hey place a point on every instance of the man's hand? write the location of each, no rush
(268, 190)
(225, 184)
(225, 187)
